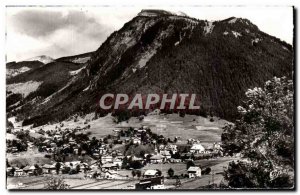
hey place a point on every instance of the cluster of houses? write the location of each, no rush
(107, 161)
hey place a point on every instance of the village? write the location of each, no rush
(137, 156)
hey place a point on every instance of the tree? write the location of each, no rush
(57, 167)
(189, 164)
(133, 173)
(56, 184)
(138, 173)
(77, 168)
(264, 135)
(159, 173)
(171, 172)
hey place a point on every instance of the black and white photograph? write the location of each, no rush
(153, 98)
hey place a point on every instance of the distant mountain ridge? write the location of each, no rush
(162, 52)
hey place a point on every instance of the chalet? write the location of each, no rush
(217, 146)
(106, 159)
(134, 158)
(53, 145)
(156, 158)
(173, 160)
(166, 154)
(29, 170)
(102, 150)
(136, 140)
(95, 154)
(110, 174)
(194, 172)
(172, 148)
(49, 169)
(197, 149)
(124, 140)
(19, 172)
(117, 162)
(26, 169)
(110, 166)
(161, 147)
(14, 149)
(94, 167)
(150, 183)
(150, 173)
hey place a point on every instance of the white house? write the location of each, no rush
(173, 148)
(136, 140)
(117, 162)
(194, 172)
(19, 173)
(197, 149)
(165, 153)
(156, 158)
(106, 159)
(150, 173)
(110, 174)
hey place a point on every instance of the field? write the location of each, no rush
(170, 126)
(29, 157)
(79, 182)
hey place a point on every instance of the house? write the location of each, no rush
(173, 148)
(19, 173)
(166, 154)
(26, 169)
(136, 140)
(156, 158)
(31, 170)
(197, 149)
(102, 150)
(134, 158)
(106, 159)
(150, 183)
(217, 146)
(161, 147)
(110, 174)
(150, 173)
(49, 169)
(173, 160)
(117, 162)
(110, 166)
(124, 140)
(14, 149)
(194, 172)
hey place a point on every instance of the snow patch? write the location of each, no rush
(190, 20)
(225, 33)
(285, 48)
(44, 59)
(208, 28)
(14, 72)
(81, 60)
(146, 57)
(236, 34)
(75, 72)
(24, 88)
(232, 21)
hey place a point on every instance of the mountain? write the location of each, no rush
(16, 68)
(161, 52)
(43, 58)
(39, 80)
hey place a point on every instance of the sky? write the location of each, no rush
(64, 31)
